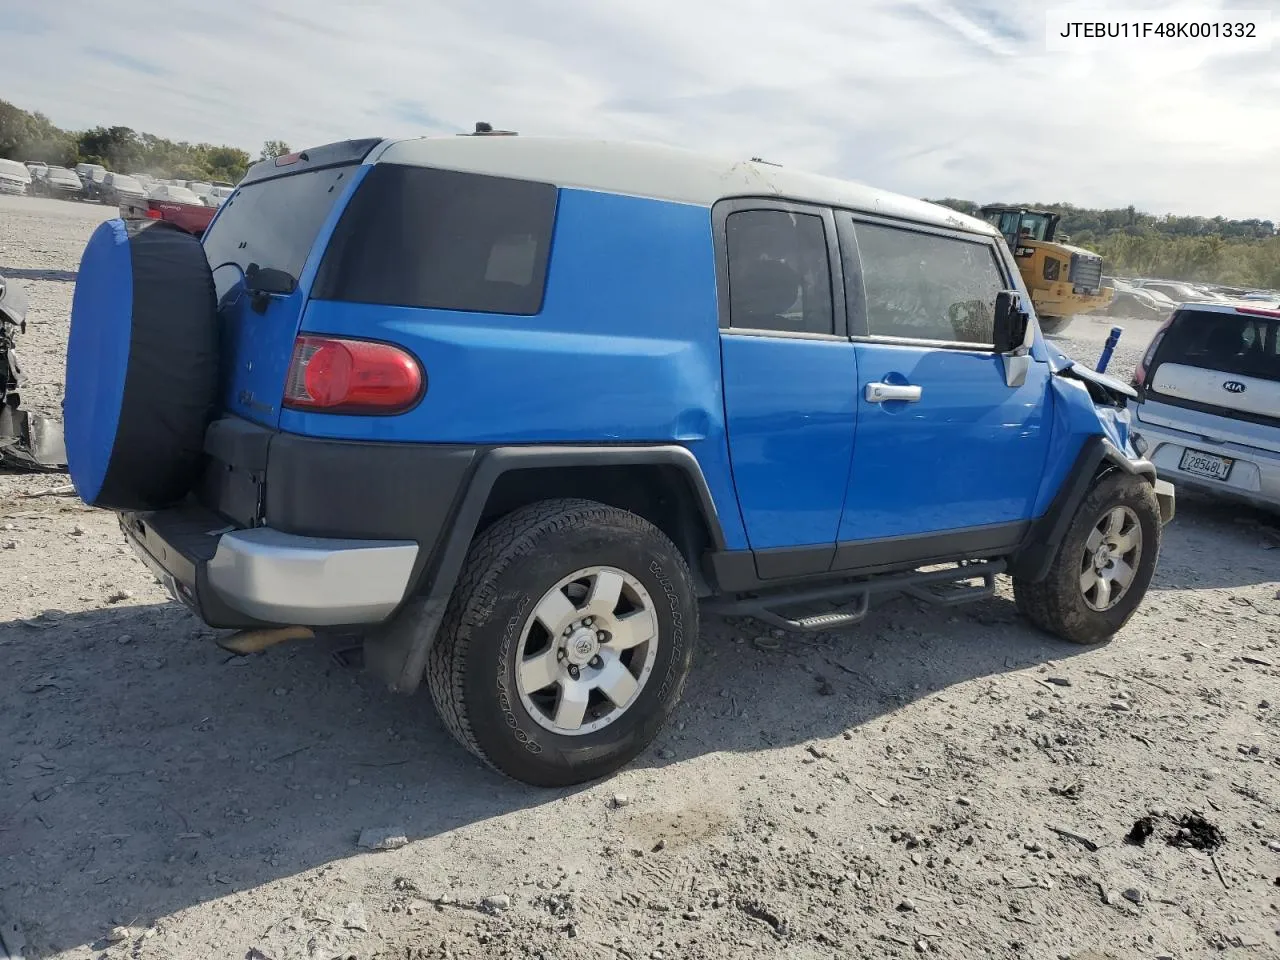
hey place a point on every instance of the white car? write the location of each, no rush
(1209, 410)
(218, 194)
(15, 178)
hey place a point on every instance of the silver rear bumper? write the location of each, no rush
(286, 579)
(1254, 476)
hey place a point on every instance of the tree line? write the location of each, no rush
(1241, 253)
(31, 136)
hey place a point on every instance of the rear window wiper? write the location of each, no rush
(265, 282)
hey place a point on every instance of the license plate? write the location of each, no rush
(1203, 464)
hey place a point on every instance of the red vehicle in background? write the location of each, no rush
(177, 205)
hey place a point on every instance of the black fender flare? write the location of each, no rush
(1097, 455)
(397, 651)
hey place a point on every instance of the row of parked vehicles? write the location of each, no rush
(92, 181)
(1150, 299)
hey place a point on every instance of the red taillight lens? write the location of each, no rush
(154, 214)
(1258, 312)
(332, 375)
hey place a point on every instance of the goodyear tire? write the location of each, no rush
(142, 366)
(560, 603)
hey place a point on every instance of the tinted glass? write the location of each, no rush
(418, 237)
(273, 223)
(779, 274)
(928, 287)
(1238, 343)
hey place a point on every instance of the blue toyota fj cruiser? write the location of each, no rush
(512, 407)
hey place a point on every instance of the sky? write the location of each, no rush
(929, 98)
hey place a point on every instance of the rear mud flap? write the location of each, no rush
(1164, 494)
(29, 441)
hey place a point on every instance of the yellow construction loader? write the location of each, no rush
(1063, 280)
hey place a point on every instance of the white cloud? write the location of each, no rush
(928, 97)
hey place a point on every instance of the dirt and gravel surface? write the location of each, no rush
(946, 783)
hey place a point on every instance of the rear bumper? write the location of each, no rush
(287, 530)
(1254, 476)
(262, 575)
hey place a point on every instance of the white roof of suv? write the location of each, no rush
(659, 172)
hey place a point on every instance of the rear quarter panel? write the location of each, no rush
(625, 350)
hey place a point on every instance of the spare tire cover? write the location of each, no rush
(142, 366)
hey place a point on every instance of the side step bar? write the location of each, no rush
(944, 588)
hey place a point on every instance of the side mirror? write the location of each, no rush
(1010, 321)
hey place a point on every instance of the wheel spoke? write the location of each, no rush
(1104, 593)
(617, 683)
(540, 671)
(572, 706)
(633, 630)
(1115, 521)
(554, 611)
(605, 592)
(1122, 574)
(1125, 542)
(1095, 540)
(1088, 580)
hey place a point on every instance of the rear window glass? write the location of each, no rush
(419, 237)
(273, 223)
(1240, 343)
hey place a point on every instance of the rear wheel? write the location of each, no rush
(1053, 325)
(1103, 567)
(567, 642)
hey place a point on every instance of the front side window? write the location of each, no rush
(928, 287)
(779, 273)
(421, 237)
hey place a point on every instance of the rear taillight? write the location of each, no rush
(1258, 312)
(154, 214)
(333, 375)
(1140, 371)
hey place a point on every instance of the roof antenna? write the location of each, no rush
(486, 130)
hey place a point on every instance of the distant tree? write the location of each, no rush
(274, 148)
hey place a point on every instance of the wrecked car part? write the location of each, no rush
(27, 440)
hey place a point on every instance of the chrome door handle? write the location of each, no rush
(880, 392)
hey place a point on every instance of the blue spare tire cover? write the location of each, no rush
(142, 366)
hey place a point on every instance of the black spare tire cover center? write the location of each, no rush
(142, 366)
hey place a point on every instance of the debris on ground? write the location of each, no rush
(382, 838)
(1196, 832)
(1142, 829)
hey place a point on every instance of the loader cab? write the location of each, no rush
(1019, 225)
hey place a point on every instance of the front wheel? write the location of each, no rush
(1054, 325)
(567, 642)
(1104, 564)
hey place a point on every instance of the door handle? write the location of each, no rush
(880, 392)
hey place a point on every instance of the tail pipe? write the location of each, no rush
(1109, 348)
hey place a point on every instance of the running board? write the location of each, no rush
(943, 588)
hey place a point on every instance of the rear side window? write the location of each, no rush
(928, 287)
(1239, 343)
(779, 272)
(273, 223)
(419, 237)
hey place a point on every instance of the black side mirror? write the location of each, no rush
(1010, 321)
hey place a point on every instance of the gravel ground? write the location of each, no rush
(946, 783)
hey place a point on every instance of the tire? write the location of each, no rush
(1050, 326)
(1059, 604)
(142, 366)
(492, 624)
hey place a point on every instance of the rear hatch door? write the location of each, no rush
(278, 219)
(1217, 373)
